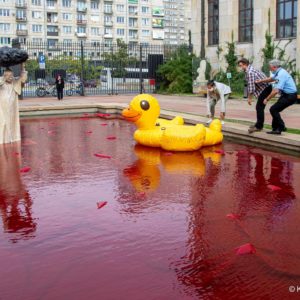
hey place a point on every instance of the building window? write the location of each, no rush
(4, 12)
(120, 32)
(286, 18)
(67, 16)
(94, 5)
(120, 20)
(4, 40)
(37, 28)
(4, 27)
(67, 29)
(66, 3)
(36, 2)
(245, 20)
(213, 22)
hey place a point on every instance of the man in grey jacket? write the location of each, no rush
(216, 91)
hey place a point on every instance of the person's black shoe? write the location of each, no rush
(274, 132)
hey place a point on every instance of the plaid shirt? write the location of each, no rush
(251, 76)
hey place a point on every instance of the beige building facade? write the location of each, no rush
(247, 21)
(104, 21)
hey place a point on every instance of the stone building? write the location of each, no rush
(247, 21)
(104, 21)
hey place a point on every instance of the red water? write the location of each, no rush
(143, 224)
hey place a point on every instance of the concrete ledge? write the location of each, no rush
(238, 132)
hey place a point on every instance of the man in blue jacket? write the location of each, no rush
(285, 85)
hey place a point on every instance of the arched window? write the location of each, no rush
(246, 21)
(286, 18)
(213, 22)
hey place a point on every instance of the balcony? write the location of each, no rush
(108, 11)
(52, 33)
(108, 23)
(134, 37)
(108, 36)
(81, 22)
(21, 4)
(21, 19)
(82, 9)
(22, 32)
(133, 14)
(134, 25)
(81, 34)
(52, 21)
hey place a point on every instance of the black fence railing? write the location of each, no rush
(94, 68)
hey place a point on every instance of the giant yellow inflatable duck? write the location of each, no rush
(171, 135)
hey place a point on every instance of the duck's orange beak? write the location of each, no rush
(131, 115)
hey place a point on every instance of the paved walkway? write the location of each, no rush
(236, 109)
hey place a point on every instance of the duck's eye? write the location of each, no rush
(145, 105)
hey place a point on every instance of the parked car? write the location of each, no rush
(90, 83)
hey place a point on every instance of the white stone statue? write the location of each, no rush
(201, 72)
(199, 85)
(10, 89)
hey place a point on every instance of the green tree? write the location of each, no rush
(176, 74)
(118, 59)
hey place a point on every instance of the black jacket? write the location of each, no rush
(60, 85)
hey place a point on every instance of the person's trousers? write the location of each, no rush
(260, 107)
(60, 94)
(212, 105)
(283, 102)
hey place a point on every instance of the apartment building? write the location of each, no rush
(54, 21)
(248, 21)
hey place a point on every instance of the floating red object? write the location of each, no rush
(242, 151)
(25, 170)
(103, 124)
(85, 114)
(16, 153)
(232, 216)
(274, 188)
(102, 115)
(222, 152)
(102, 155)
(89, 132)
(101, 204)
(168, 153)
(245, 249)
(51, 132)
(111, 138)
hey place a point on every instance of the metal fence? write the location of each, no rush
(94, 68)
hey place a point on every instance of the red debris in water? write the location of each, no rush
(84, 118)
(242, 151)
(102, 115)
(25, 170)
(168, 153)
(103, 124)
(274, 188)
(28, 142)
(16, 153)
(89, 132)
(101, 204)
(245, 249)
(102, 155)
(51, 132)
(111, 138)
(222, 152)
(232, 216)
(85, 114)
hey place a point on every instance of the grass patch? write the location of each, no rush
(289, 130)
